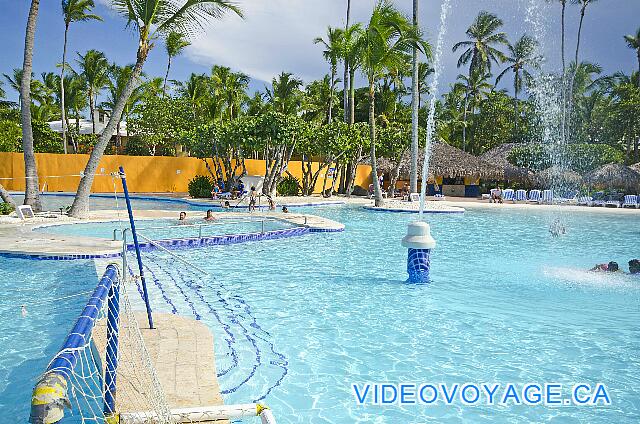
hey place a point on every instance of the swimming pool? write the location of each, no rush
(297, 321)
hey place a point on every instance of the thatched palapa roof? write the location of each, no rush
(498, 157)
(558, 175)
(614, 175)
(636, 167)
(446, 161)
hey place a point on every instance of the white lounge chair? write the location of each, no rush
(547, 197)
(439, 197)
(630, 200)
(25, 212)
(521, 196)
(534, 196)
(414, 197)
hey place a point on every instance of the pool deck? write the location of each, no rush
(18, 239)
(180, 350)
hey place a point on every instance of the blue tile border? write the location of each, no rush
(431, 211)
(70, 257)
(186, 243)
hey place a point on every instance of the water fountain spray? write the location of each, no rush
(418, 239)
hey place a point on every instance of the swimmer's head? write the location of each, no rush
(634, 266)
(613, 266)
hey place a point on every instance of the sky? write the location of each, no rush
(277, 35)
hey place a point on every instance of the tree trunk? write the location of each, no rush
(395, 175)
(92, 111)
(31, 196)
(352, 173)
(569, 116)
(6, 197)
(166, 77)
(515, 106)
(372, 132)
(414, 110)
(345, 81)
(62, 102)
(331, 93)
(352, 97)
(80, 205)
(564, 72)
(464, 122)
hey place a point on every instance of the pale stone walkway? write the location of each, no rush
(180, 350)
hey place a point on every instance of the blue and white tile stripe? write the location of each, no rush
(428, 211)
(183, 243)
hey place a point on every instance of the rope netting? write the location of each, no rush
(104, 368)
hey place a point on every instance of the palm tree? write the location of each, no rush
(195, 90)
(351, 54)
(174, 44)
(482, 49)
(345, 79)
(415, 107)
(521, 56)
(229, 88)
(285, 95)
(119, 77)
(318, 97)
(387, 40)
(31, 196)
(633, 41)
(72, 11)
(151, 19)
(332, 45)
(583, 9)
(424, 70)
(94, 69)
(476, 87)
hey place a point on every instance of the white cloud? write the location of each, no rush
(275, 36)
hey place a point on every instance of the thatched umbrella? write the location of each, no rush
(446, 161)
(636, 167)
(498, 157)
(557, 176)
(614, 175)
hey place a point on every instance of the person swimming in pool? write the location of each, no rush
(634, 266)
(209, 216)
(285, 209)
(610, 267)
(182, 217)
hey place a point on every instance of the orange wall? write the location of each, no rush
(144, 173)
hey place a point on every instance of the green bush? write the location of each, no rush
(289, 186)
(200, 187)
(6, 208)
(581, 158)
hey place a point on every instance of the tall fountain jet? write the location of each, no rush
(418, 239)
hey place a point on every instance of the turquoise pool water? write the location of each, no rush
(54, 294)
(297, 321)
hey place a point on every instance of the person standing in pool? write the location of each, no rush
(634, 266)
(182, 217)
(285, 209)
(253, 199)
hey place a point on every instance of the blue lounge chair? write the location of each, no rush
(630, 200)
(521, 195)
(614, 201)
(508, 195)
(547, 197)
(534, 196)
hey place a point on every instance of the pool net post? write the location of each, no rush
(111, 354)
(123, 178)
(420, 243)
